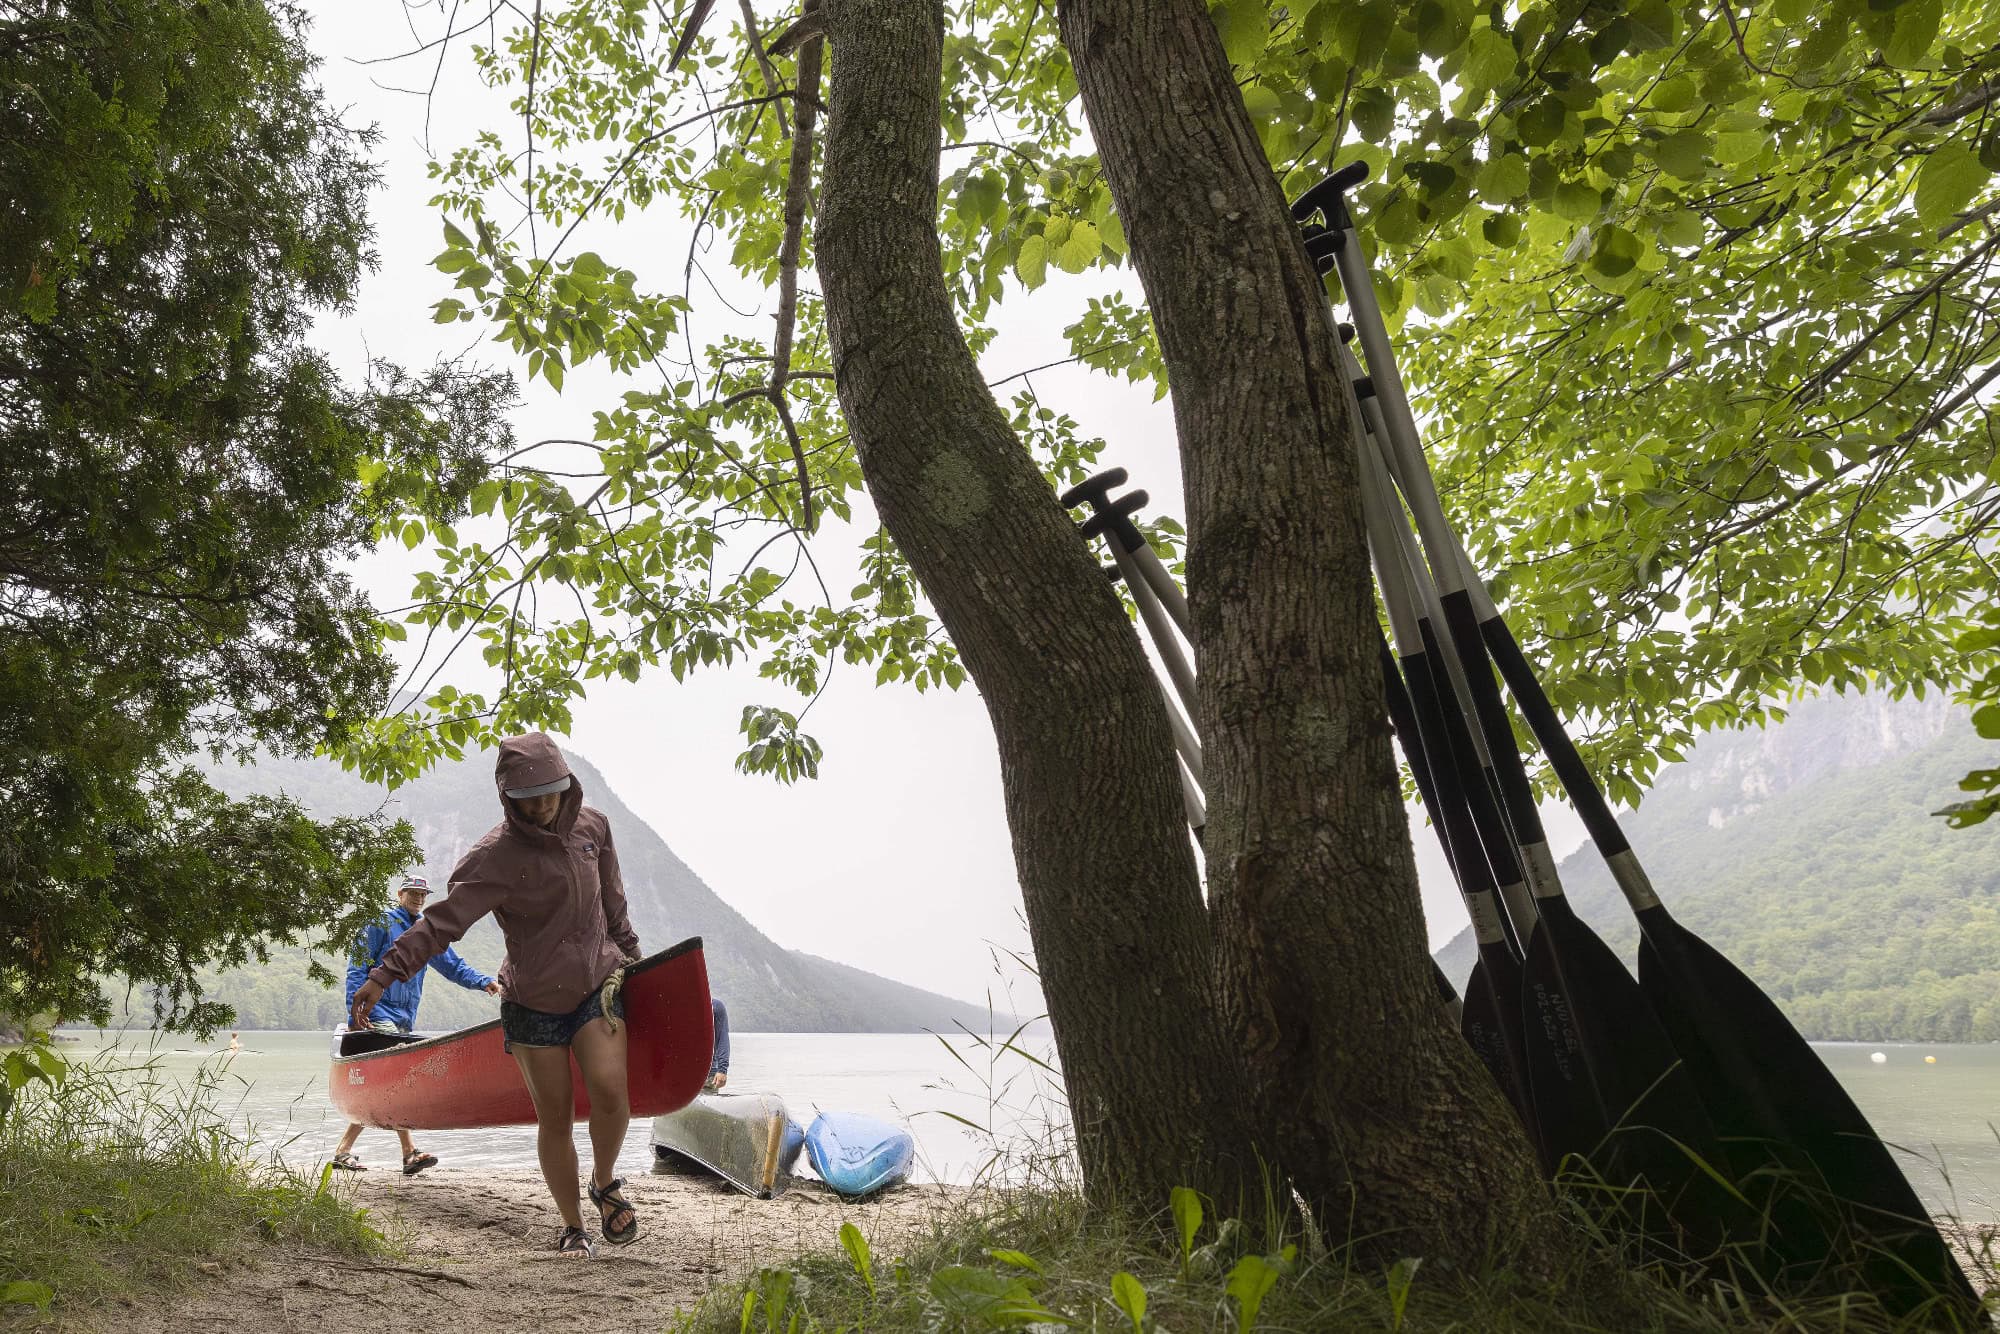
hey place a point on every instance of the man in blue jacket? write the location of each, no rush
(396, 1012)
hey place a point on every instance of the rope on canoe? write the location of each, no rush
(611, 985)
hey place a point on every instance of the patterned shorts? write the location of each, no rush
(539, 1028)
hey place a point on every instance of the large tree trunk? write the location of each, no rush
(1106, 870)
(1378, 1112)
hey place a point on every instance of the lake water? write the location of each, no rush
(1943, 1114)
(277, 1087)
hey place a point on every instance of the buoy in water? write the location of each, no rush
(1930, 1060)
(1879, 1057)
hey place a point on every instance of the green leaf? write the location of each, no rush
(1502, 230)
(1683, 228)
(1947, 182)
(856, 1246)
(986, 1299)
(1361, 31)
(1441, 26)
(1328, 79)
(447, 310)
(1261, 103)
(1401, 1275)
(1018, 1259)
(1503, 179)
(1651, 26)
(980, 197)
(1541, 122)
(1185, 1206)
(1244, 25)
(1915, 32)
(1489, 60)
(1675, 94)
(1398, 224)
(1683, 154)
(1250, 1281)
(1374, 114)
(1130, 1294)
(1031, 265)
(1577, 201)
(1986, 721)
(1615, 252)
(1739, 146)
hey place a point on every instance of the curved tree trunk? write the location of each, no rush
(1107, 873)
(1378, 1112)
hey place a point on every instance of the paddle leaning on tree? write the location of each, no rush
(549, 875)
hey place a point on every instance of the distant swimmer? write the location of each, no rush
(235, 1044)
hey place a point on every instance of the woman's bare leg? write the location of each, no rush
(545, 1070)
(600, 1056)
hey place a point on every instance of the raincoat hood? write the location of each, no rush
(530, 761)
(556, 893)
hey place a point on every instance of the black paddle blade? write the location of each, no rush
(1830, 1189)
(1619, 1095)
(1490, 1023)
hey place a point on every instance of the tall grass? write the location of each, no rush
(1020, 1250)
(1038, 1258)
(121, 1177)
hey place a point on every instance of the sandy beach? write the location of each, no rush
(476, 1255)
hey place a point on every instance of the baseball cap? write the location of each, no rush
(416, 883)
(541, 789)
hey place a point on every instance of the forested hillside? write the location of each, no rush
(767, 987)
(1807, 852)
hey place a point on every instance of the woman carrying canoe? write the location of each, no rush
(549, 875)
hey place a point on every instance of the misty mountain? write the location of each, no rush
(1806, 851)
(768, 988)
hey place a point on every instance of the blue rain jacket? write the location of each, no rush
(399, 1003)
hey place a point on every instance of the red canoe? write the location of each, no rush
(464, 1079)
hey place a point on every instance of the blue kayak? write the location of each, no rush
(858, 1155)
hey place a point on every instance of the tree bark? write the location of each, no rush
(1107, 872)
(1359, 1087)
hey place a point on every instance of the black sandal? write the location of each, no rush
(573, 1242)
(610, 1202)
(347, 1162)
(416, 1160)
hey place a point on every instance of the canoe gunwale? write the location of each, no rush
(644, 965)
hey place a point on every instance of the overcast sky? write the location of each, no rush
(897, 859)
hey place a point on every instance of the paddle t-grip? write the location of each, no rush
(1094, 490)
(1115, 519)
(1329, 197)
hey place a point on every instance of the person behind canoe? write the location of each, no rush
(549, 875)
(396, 1013)
(718, 1061)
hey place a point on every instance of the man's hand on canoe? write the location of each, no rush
(364, 1004)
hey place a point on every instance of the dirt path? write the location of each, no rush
(475, 1256)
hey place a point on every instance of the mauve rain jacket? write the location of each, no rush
(556, 893)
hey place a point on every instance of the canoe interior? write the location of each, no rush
(465, 1080)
